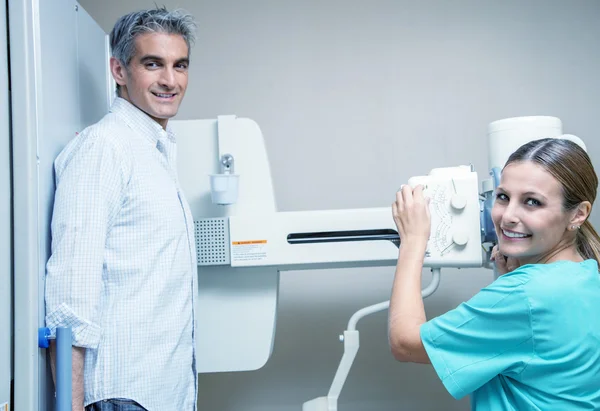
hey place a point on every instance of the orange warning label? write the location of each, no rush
(249, 242)
(248, 251)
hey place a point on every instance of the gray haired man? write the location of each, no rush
(123, 270)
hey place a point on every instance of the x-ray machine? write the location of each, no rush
(60, 83)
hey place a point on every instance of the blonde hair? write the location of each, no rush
(572, 167)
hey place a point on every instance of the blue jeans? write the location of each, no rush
(115, 404)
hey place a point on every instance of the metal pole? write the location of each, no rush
(63, 369)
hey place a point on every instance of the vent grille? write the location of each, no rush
(212, 241)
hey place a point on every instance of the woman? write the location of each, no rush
(531, 339)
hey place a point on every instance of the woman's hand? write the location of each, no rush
(406, 312)
(411, 215)
(504, 264)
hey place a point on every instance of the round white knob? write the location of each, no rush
(460, 238)
(458, 202)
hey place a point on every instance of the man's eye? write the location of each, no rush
(152, 65)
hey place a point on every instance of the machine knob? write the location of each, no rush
(458, 202)
(460, 238)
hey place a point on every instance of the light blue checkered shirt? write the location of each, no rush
(123, 271)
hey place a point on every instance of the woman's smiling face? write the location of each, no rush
(528, 213)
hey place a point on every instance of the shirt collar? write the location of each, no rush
(138, 120)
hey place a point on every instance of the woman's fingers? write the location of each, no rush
(407, 195)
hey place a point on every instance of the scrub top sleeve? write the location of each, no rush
(488, 335)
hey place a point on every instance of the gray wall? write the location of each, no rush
(353, 98)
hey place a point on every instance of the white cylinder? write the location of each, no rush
(224, 188)
(507, 135)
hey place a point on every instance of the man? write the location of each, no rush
(122, 272)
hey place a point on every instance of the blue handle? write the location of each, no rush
(44, 337)
(64, 385)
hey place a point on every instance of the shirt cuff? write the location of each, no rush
(85, 333)
(440, 366)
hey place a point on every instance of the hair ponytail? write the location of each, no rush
(588, 242)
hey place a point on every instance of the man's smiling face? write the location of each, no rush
(157, 76)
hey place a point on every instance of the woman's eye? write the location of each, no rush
(501, 197)
(533, 202)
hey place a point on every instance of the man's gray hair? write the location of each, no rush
(159, 20)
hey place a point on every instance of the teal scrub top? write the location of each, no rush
(528, 341)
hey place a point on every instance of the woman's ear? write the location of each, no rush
(581, 213)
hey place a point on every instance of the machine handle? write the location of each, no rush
(64, 386)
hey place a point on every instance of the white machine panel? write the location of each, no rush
(6, 331)
(314, 238)
(237, 307)
(337, 238)
(59, 84)
(455, 217)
